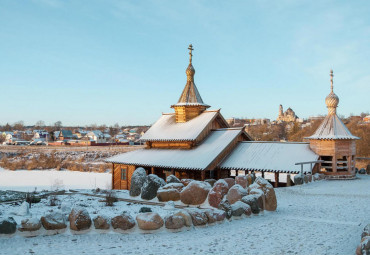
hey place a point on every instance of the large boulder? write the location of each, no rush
(137, 181)
(149, 221)
(178, 186)
(226, 207)
(364, 247)
(210, 181)
(305, 178)
(101, 222)
(260, 197)
(214, 215)
(8, 225)
(165, 195)
(198, 216)
(186, 216)
(151, 186)
(195, 193)
(218, 191)
(174, 221)
(30, 224)
(230, 182)
(269, 192)
(252, 201)
(298, 179)
(236, 193)
(79, 219)
(53, 221)
(366, 231)
(250, 179)
(172, 179)
(239, 208)
(309, 176)
(123, 221)
(242, 180)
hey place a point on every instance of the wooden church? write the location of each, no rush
(189, 143)
(197, 143)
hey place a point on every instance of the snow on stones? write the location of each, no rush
(123, 222)
(30, 224)
(242, 180)
(198, 216)
(252, 201)
(195, 193)
(149, 221)
(174, 222)
(219, 190)
(211, 181)
(239, 208)
(101, 222)
(172, 179)
(178, 186)
(186, 216)
(8, 225)
(230, 182)
(269, 192)
(79, 219)
(137, 181)
(165, 195)
(298, 179)
(226, 207)
(151, 186)
(236, 193)
(53, 221)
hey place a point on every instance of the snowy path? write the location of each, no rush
(325, 217)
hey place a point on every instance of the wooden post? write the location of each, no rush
(203, 175)
(349, 164)
(288, 180)
(334, 163)
(152, 170)
(276, 184)
(263, 175)
(173, 171)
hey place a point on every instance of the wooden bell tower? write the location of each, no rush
(190, 104)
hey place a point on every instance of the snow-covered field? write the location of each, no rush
(325, 217)
(28, 180)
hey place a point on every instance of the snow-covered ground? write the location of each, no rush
(28, 180)
(325, 217)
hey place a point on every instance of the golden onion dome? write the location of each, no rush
(332, 100)
(190, 71)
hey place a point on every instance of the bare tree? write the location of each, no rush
(58, 125)
(40, 124)
(19, 125)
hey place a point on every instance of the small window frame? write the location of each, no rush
(123, 174)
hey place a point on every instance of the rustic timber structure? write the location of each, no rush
(197, 143)
(190, 143)
(333, 142)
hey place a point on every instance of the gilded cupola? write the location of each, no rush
(332, 100)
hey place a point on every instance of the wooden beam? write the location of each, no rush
(276, 184)
(173, 171)
(288, 180)
(152, 170)
(203, 175)
(263, 174)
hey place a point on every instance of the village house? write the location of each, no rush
(198, 143)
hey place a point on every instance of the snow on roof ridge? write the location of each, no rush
(274, 142)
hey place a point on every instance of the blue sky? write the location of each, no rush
(106, 62)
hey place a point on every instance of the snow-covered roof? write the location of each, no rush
(198, 158)
(166, 128)
(270, 157)
(332, 128)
